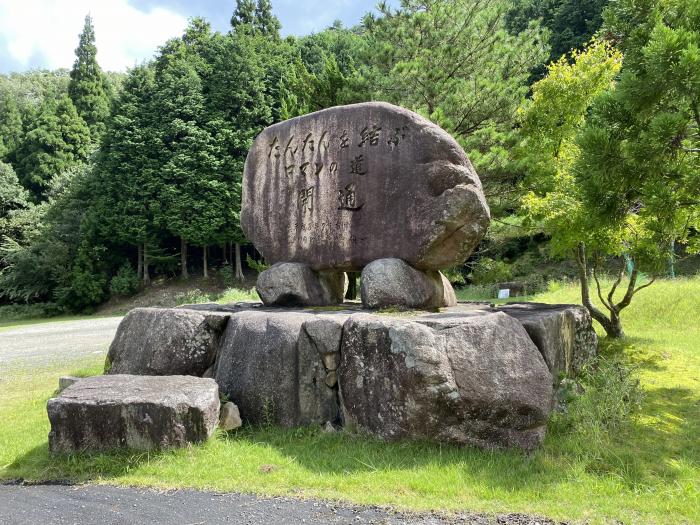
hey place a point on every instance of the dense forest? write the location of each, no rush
(582, 119)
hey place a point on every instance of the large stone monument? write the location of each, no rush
(339, 189)
(372, 188)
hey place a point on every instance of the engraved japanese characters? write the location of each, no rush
(340, 188)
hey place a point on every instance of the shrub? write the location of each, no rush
(535, 283)
(258, 266)
(488, 271)
(455, 275)
(18, 312)
(611, 396)
(125, 282)
(195, 296)
(226, 275)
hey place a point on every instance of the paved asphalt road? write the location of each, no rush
(42, 345)
(107, 505)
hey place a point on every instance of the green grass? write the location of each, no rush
(234, 295)
(593, 467)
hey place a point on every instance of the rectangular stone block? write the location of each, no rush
(133, 412)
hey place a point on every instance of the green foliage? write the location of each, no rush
(48, 258)
(454, 275)
(328, 71)
(88, 88)
(124, 183)
(29, 89)
(22, 312)
(86, 284)
(464, 75)
(125, 282)
(57, 140)
(267, 23)
(488, 271)
(13, 197)
(571, 23)
(226, 275)
(456, 63)
(641, 146)
(551, 123)
(235, 295)
(195, 296)
(258, 266)
(611, 397)
(11, 132)
(255, 17)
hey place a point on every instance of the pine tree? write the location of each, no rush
(238, 108)
(10, 125)
(265, 22)
(193, 200)
(88, 86)
(12, 195)
(126, 179)
(244, 15)
(58, 140)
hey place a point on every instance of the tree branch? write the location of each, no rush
(600, 293)
(611, 295)
(645, 285)
(585, 294)
(630, 291)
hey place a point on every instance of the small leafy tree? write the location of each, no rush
(550, 124)
(603, 170)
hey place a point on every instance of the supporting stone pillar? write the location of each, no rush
(295, 284)
(392, 282)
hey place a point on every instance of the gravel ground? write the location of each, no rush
(44, 345)
(106, 505)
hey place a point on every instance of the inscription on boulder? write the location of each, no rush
(340, 188)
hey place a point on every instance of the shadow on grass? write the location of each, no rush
(38, 465)
(641, 456)
(632, 350)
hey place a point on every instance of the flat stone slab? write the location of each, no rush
(563, 332)
(340, 188)
(133, 412)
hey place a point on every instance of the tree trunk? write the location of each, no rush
(183, 259)
(612, 327)
(671, 260)
(146, 273)
(224, 251)
(239, 266)
(204, 262)
(139, 261)
(352, 286)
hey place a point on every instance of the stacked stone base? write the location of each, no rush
(466, 374)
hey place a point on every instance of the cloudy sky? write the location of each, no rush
(44, 33)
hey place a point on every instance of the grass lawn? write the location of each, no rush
(644, 470)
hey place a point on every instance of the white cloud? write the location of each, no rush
(44, 33)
